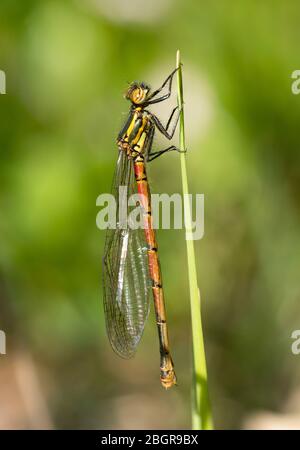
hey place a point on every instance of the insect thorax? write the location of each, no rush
(135, 137)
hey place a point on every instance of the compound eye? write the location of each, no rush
(138, 95)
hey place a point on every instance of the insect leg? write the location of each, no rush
(164, 130)
(154, 155)
(167, 95)
(171, 117)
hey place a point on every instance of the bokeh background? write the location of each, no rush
(67, 65)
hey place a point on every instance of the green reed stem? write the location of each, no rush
(201, 413)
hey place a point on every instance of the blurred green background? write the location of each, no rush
(67, 64)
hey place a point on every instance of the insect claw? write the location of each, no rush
(181, 151)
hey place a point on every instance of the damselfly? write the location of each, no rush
(131, 266)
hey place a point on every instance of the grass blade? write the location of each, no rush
(201, 414)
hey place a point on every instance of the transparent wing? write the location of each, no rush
(125, 273)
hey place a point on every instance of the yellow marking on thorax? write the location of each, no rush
(132, 123)
(136, 140)
(141, 141)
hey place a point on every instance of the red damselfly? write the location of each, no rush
(131, 267)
